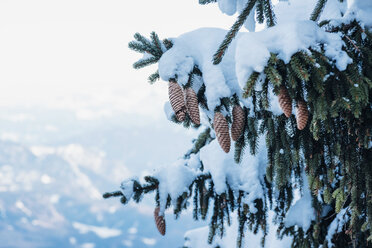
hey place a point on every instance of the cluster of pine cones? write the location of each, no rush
(186, 101)
(221, 127)
(285, 103)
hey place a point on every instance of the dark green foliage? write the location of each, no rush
(336, 145)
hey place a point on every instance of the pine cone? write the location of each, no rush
(192, 105)
(159, 221)
(238, 122)
(285, 101)
(176, 100)
(302, 114)
(222, 131)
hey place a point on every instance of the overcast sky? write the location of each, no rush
(73, 54)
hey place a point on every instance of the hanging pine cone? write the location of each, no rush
(302, 114)
(222, 131)
(176, 100)
(238, 122)
(159, 221)
(192, 105)
(285, 101)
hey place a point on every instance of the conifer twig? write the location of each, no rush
(352, 42)
(318, 10)
(217, 57)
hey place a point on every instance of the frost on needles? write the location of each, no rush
(305, 174)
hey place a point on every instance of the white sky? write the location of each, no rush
(73, 54)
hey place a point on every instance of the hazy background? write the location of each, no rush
(76, 119)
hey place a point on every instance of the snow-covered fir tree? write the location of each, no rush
(284, 113)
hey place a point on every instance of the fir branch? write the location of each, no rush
(217, 57)
(353, 43)
(298, 69)
(137, 46)
(249, 86)
(112, 194)
(156, 42)
(260, 11)
(203, 139)
(145, 62)
(153, 77)
(152, 49)
(168, 44)
(146, 43)
(269, 13)
(273, 75)
(318, 10)
(240, 145)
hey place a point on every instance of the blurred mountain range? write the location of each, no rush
(54, 168)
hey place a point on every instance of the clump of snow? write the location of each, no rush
(230, 7)
(174, 180)
(196, 48)
(227, 6)
(360, 10)
(247, 53)
(301, 213)
(127, 188)
(194, 161)
(289, 11)
(180, 64)
(246, 176)
(218, 164)
(197, 238)
(253, 49)
(337, 225)
(292, 10)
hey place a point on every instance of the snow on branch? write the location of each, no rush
(293, 97)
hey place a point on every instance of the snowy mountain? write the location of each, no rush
(51, 182)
